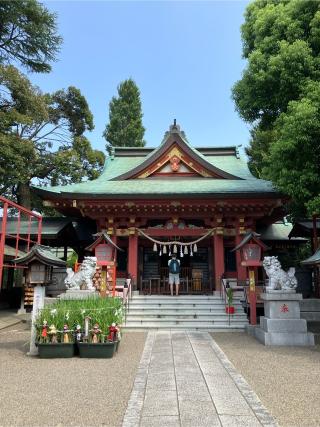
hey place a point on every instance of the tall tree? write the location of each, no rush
(42, 137)
(125, 127)
(281, 42)
(28, 34)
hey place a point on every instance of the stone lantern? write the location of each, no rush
(39, 262)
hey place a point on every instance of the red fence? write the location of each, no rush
(16, 234)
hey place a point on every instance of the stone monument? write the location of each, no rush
(281, 323)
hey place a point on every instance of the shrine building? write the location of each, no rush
(148, 200)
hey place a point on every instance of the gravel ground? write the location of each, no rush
(286, 379)
(64, 392)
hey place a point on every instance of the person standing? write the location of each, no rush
(174, 274)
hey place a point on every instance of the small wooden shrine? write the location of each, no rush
(105, 250)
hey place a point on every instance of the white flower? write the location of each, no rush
(53, 311)
(83, 311)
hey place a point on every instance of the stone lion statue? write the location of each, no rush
(278, 278)
(83, 276)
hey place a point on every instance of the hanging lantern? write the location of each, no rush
(181, 252)
(164, 251)
(195, 248)
(160, 252)
(186, 250)
(175, 249)
(155, 247)
(191, 253)
(169, 250)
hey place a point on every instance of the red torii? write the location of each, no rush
(6, 204)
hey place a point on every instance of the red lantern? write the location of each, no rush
(251, 255)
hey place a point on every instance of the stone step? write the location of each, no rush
(187, 298)
(181, 311)
(173, 316)
(178, 303)
(221, 327)
(186, 322)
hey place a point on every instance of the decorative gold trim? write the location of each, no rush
(178, 153)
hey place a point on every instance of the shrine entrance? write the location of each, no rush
(195, 272)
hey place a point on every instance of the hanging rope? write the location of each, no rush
(176, 242)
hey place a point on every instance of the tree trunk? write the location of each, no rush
(24, 195)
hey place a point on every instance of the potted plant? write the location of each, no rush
(229, 306)
(100, 338)
(92, 329)
(54, 340)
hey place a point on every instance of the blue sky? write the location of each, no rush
(184, 56)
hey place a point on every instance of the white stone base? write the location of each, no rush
(281, 325)
(284, 339)
(79, 294)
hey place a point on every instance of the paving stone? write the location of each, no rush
(161, 380)
(228, 400)
(196, 391)
(239, 421)
(158, 403)
(161, 421)
(197, 413)
(188, 372)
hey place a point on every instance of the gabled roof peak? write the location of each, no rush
(174, 129)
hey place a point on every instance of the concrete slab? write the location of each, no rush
(159, 403)
(239, 421)
(161, 421)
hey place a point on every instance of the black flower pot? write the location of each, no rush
(52, 351)
(99, 350)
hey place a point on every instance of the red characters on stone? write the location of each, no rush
(284, 308)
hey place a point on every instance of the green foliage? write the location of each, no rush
(125, 127)
(278, 95)
(229, 295)
(28, 35)
(72, 259)
(41, 137)
(103, 311)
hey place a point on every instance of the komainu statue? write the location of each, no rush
(83, 276)
(278, 278)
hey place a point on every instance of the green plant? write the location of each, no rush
(229, 294)
(103, 311)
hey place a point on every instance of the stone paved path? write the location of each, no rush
(184, 379)
(8, 318)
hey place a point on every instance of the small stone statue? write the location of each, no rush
(44, 332)
(278, 278)
(95, 333)
(53, 334)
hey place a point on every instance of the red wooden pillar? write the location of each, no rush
(241, 271)
(133, 258)
(218, 259)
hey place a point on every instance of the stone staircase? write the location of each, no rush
(184, 312)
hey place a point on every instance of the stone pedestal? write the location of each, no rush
(79, 294)
(281, 323)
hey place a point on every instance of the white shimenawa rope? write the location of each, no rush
(175, 242)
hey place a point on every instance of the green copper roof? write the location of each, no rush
(175, 186)
(115, 179)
